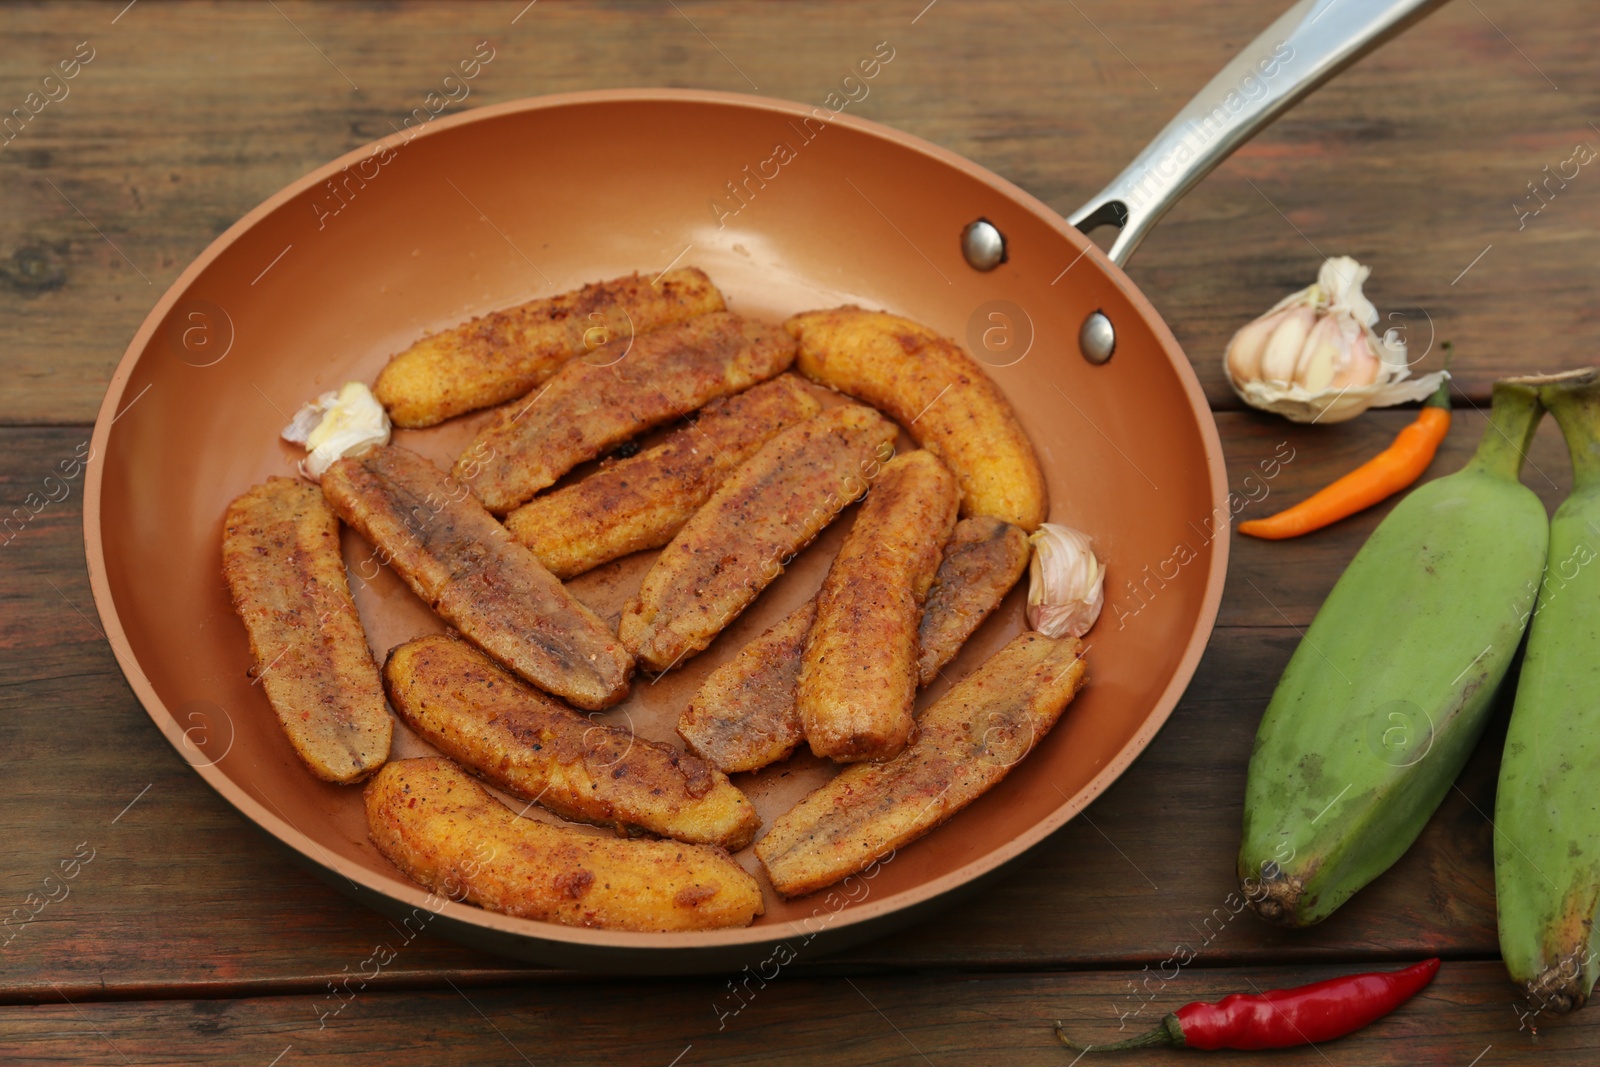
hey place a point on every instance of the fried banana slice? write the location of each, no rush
(982, 561)
(535, 747)
(465, 566)
(280, 554)
(966, 743)
(740, 541)
(621, 389)
(858, 676)
(939, 393)
(449, 834)
(644, 501)
(744, 716)
(505, 354)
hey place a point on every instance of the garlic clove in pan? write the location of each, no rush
(1066, 583)
(341, 422)
(1314, 356)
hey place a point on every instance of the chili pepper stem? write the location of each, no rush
(1440, 397)
(1169, 1033)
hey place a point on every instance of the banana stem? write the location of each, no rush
(1513, 417)
(1576, 405)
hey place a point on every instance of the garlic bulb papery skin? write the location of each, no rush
(1066, 583)
(1314, 356)
(343, 422)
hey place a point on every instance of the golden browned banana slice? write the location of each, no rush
(465, 566)
(939, 394)
(280, 553)
(966, 743)
(448, 833)
(505, 354)
(740, 541)
(642, 502)
(744, 716)
(535, 747)
(982, 561)
(621, 389)
(858, 676)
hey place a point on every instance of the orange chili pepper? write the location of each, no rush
(1379, 477)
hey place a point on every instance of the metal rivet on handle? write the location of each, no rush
(983, 245)
(1097, 338)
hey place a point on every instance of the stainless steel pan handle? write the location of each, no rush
(1310, 43)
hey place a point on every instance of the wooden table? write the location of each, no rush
(189, 939)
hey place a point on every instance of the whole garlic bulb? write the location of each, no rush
(1066, 583)
(1315, 357)
(339, 423)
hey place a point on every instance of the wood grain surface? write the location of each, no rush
(947, 1018)
(190, 938)
(189, 115)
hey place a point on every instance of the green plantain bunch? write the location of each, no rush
(1391, 686)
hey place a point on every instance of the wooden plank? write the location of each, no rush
(1271, 583)
(183, 899)
(1464, 1018)
(1410, 161)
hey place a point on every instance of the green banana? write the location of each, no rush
(1389, 689)
(1547, 822)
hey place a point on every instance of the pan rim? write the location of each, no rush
(407, 894)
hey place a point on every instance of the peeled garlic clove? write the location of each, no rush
(1066, 583)
(340, 423)
(1361, 368)
(1248, 345)
(1283, 347)
(1322, 356)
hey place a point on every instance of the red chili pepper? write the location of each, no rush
(1281, 1018)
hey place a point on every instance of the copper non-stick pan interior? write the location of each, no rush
(329, 278)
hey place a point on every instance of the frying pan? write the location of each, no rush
(327, 279)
